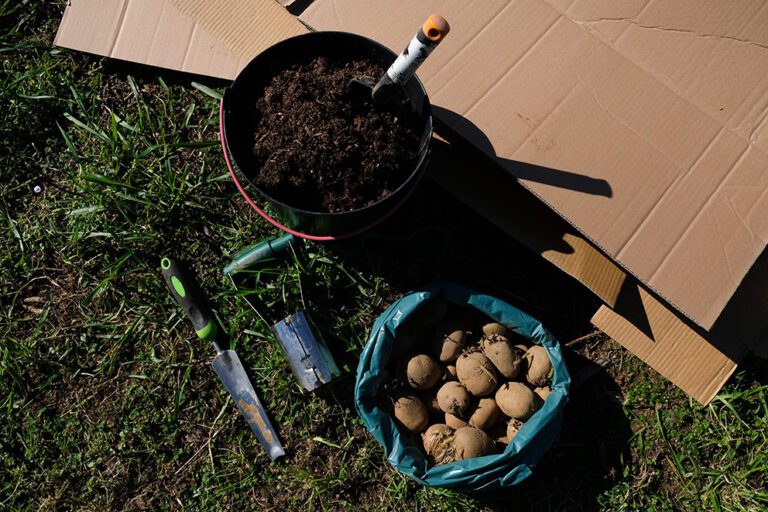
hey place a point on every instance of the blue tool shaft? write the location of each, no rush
(232, 373)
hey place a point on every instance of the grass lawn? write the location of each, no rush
(109, 402)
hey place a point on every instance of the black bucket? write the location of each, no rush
(234, 118)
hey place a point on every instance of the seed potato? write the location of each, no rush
(495, 328)
(448, 345)
(539, 366)
(471, 442)
(543, 392)
(438, 443)
(503, 355)
(422, 372)
(411, 413)
(517, 401)
(513, 427)
(477, 373)
(454, 421)
(484, 414)
(453, 398)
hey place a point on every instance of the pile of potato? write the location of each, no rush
(464, 382)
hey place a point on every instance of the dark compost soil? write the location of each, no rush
(319, 147)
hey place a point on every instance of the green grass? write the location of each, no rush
(108, 401)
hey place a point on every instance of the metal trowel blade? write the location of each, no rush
(232, 373)
(361, 89)
(306, 351)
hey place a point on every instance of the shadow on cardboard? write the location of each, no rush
(736, 330)
(447, 120)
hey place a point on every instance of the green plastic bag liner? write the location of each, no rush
(479, 474)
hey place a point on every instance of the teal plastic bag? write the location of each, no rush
(480, 474)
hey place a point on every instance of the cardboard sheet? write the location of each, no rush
(699, 368)
(646, 121)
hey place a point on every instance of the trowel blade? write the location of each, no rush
(232, 373)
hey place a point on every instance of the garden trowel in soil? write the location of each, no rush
(227, 364)
(304, 348)
(384, 90)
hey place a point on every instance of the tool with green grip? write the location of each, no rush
(227, 364)
(250, 255)
(190, 297)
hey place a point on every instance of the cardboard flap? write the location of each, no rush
(145, 31)
(644, 121)
(699, 369)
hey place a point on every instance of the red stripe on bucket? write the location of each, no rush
(275, 223)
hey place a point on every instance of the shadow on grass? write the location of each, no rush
(589, 457)
(755, 372)
(435, 237)
(24, 144)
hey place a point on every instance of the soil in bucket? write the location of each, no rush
(318, 148)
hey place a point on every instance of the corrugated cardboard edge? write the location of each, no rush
(247, 27)
(677, 352)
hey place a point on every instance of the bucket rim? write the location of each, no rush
(317, 238)
(418, 167)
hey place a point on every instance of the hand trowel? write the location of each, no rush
(383, 90)
(227, 364)
(303, 345)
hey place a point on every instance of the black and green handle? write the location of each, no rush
(190, 297)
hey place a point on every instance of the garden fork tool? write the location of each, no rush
(227, 364)
(304, 348)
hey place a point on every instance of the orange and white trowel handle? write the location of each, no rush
(426, 39)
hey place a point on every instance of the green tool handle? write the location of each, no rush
(258, 252)
(190, 297)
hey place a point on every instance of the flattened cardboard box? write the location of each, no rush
(619, 144)
(646, 121)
